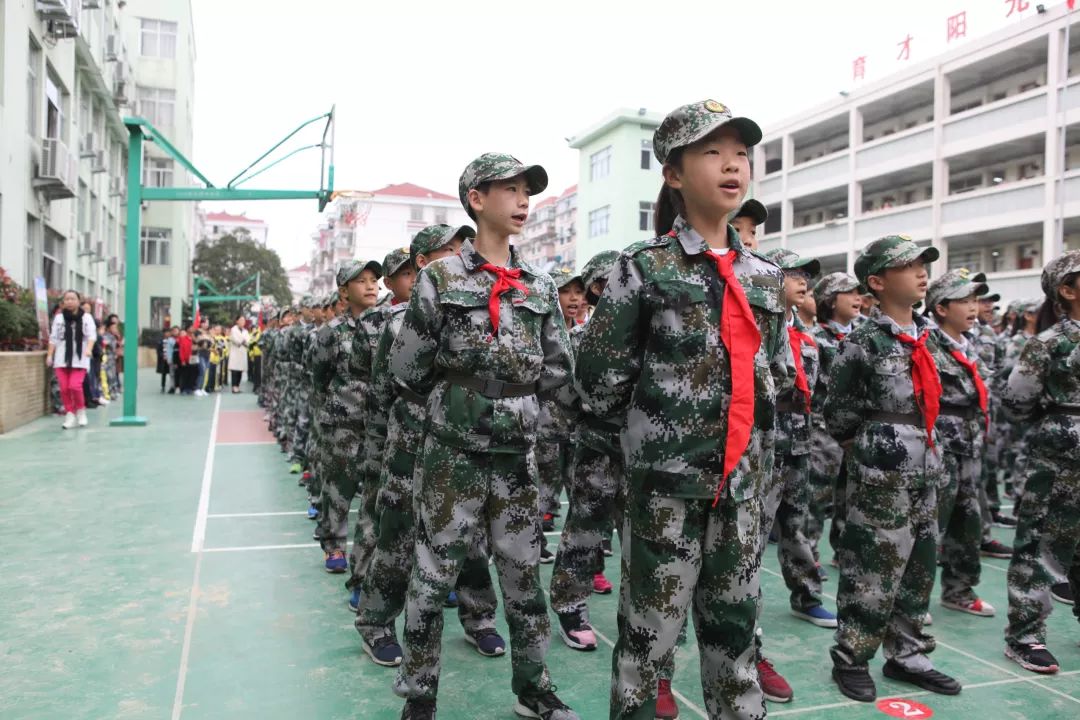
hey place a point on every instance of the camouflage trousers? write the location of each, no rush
(787, 501)
(316, 450)
(960, 528)
(553, 459)
(384, 586)
(840, 512)
(887, 564)
(826, 457)
(598, 477)
(366, 531)
(337, 475)
(300, 429)
(686, 555)
(459, 494)
(1046, 549)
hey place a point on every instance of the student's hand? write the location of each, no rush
(48, 362)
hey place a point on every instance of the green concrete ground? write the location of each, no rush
(108, 612)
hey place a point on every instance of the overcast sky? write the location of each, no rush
(423, 86)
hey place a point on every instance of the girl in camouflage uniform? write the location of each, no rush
(1043, 392)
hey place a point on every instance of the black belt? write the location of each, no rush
(790, 406)
(1062, 410)
(967, 412)
(896, 418)
(411, 395)
(491, 388)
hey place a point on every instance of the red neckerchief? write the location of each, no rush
(980, 386)
(925, 379)
(796, 338)
(507, 279)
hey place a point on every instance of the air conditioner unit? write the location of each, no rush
(99, 251)
(116, 187)
(120, 89)
(97, 165)
(112, 48)
(86, 245)
(91, 4)
(89, 145)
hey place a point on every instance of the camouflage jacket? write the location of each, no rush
(404, 424)
(872, 373)
(369, 328)
(1010, 354)
(958, 435)
(332, 374)
(986, 348)
(589, 430)
(793, 428)
(827, 336)
(652, 361)
(1046, 379)
(448, 328)
(559, 408)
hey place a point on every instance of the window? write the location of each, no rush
(440, 216)
(52, 260)
(56, 101)
(159, 309)
(158, 172)
(965, 184)
(600, 164)
(416, 213)
(970, 259)
(155, 246)
(83, 211)
(645, 215)
(598, 221)
(33, 228)
(157, 39)
(32, 71)
(158, 105)
(646, 154)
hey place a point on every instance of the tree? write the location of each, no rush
(227, 262)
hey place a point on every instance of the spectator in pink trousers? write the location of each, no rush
(71, 342)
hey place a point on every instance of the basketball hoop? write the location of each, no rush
(359, 202)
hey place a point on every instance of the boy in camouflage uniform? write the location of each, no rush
(746, 220)
(884, 395)
(340, 413)
(961, 429)
(1044, 390)
(382, 594)
(684, 352)
(296, 423)
(785, 494)
(838, 303)
(483, 335)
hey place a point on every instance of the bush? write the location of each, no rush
(18, 318)
(150, 337)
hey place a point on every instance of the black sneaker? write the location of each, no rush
(543, 705)
(1004, 521)
(931, 680)
(418, 710)
(546, 556)
(855, 683)
(1035, 658)
(605, 545)
(385, 651)
(996, 549)
(1062, 593)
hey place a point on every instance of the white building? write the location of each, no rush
(549, 238)
(368, 229)
(299, 281)
(219, 224)
(976, 151)
(65, 80)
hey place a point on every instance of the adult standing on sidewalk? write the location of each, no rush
(70, 343)
(238, 343)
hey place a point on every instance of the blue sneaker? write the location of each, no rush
(312, 512)
(336, 562)
(354, 600)
(817, 616)
(451, 600)
(487, 642)
(385, 651)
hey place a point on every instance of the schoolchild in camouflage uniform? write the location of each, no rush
(312, 475)
(838, 303)
(1014, 448)
(339, 410)
(483, 335)
(884, 397)
(1043, 390)
(785, 495)
(952, 302)
(381, 597)
(297, 421)
(684, 352)
(746, 220)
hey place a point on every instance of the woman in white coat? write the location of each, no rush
(238, 355)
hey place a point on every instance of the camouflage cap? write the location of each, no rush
(890, 251)
(395, 259)
(348, 270)
(752, 209)
(599, 266)
(1013, 307)
(832, 285)
(787, 260)
(564, 276)
(305, 302)
(499, 166)
(1031, 305)
(331, 299)
(434, 237)
(687, 124)
(955, 285)
(1055, 272)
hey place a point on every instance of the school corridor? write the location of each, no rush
(169, 572)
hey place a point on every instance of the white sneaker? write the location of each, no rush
(69, 421)
(977, 606)
(103, 401)
(81, 416)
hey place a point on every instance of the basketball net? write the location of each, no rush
(357, 208)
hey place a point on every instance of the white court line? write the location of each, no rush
(197, 540)
(216, 516)
(254, 442)
(253, 548)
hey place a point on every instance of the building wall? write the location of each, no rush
(621, 190)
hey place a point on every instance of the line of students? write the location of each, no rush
(698, 404)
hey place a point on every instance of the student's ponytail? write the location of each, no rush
(1048, 316)
(669, 203)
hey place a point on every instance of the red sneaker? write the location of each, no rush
(600, 584)
(666, 709)
(773, 684)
